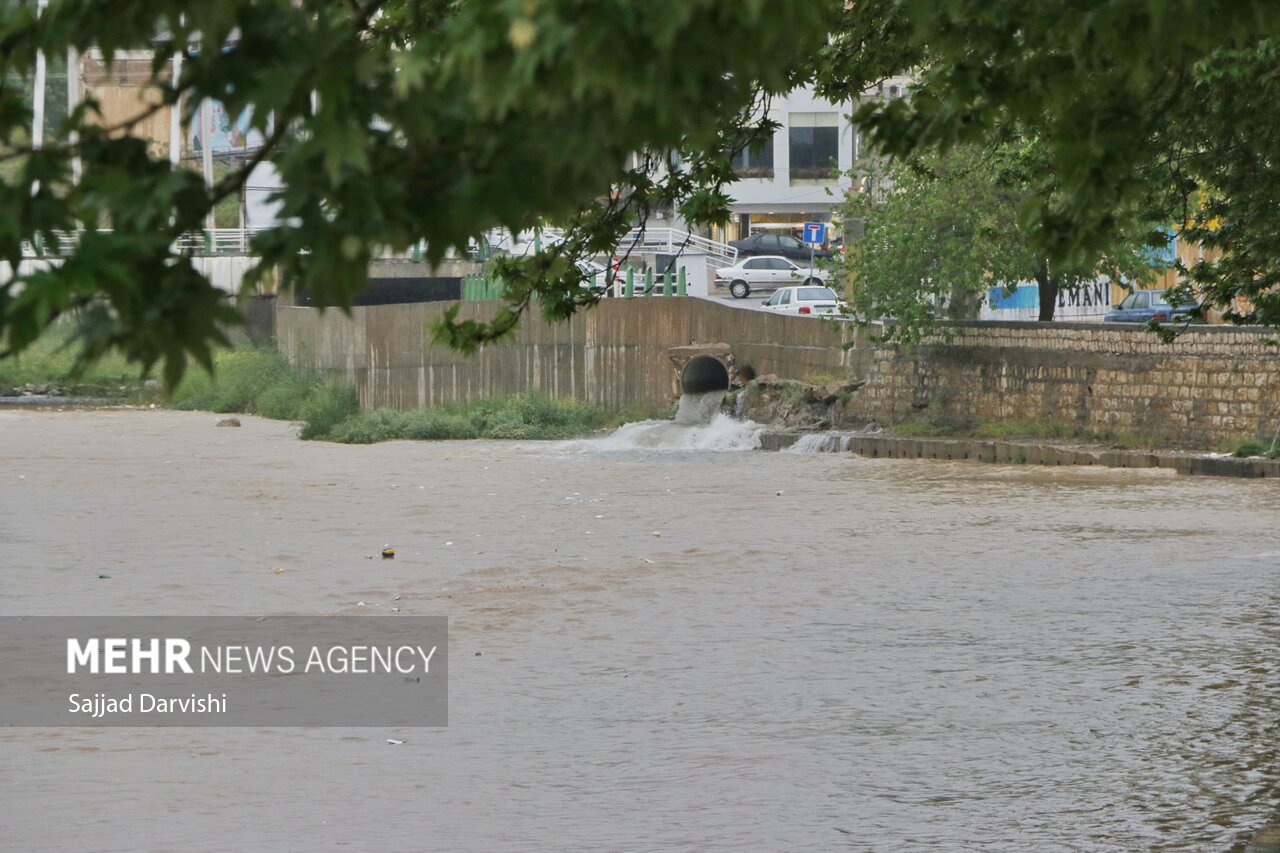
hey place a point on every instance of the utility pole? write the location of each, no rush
(73, 101)
(37, 123)
(206, 150)
(175, 112)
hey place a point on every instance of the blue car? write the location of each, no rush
(1144, 305)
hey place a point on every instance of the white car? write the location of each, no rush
(766, 272)
(808, 300)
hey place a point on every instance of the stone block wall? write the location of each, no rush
(1211, 386)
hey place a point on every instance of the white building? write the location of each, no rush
(803, 172)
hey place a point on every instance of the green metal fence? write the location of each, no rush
(479, 288)
(629, 284)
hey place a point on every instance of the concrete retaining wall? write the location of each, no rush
(614, 355)
(1020, 453)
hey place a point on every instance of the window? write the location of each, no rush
(786, 297)
(755, 162)
(756, 264)
(815, 293)
(815, 139)
(781, 264)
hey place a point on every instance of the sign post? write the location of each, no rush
(814, 234)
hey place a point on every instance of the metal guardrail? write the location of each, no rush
(670, 241)
(236, 241)
(667, 241)
(218, 241)
(208, 242)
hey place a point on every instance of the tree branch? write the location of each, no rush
(233, 182)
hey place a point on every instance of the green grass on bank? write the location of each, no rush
(523, 416)
(1252, 447)
(1030, 428)
(261, 382)
(51, 359)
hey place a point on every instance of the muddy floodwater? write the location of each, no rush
(664, 649)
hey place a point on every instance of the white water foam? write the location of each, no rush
(698, 409)
(821, 442)
(722, 435)
(699, 426)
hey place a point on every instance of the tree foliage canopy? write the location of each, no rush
(398, 121)
(948, 231)
(1168, 106)
(390, 122)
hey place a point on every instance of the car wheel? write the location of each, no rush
(811, 282)
(740, 290)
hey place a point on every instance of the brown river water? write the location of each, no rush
(679, 650)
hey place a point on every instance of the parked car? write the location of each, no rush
(594, 275)
(1144, 305)
(769, 272)
(768, 243)
(806, 300)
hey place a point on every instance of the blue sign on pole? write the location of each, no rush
(815, 232)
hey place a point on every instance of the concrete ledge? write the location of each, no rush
(879, 446)
(1099, 326)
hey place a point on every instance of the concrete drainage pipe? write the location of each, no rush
(704, 373)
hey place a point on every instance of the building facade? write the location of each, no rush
(803, 172)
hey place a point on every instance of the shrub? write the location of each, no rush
(520, 417)
(1249, 447)
(327, 407)
(253, 381)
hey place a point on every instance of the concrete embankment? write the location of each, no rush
(879, 446)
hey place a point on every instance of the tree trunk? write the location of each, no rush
(1049, 286)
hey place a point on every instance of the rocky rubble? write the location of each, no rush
(798, 405)
(52, 390)
(30, 390)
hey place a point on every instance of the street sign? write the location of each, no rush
(815, 232)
